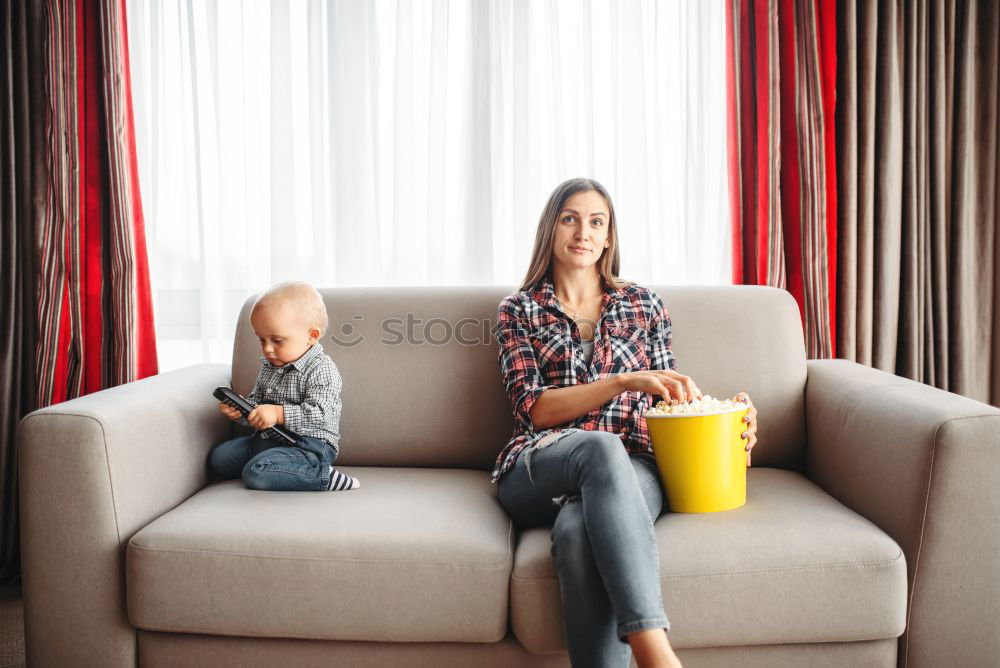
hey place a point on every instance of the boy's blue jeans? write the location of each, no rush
(263, 464)
(601, 503)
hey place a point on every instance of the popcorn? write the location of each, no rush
(707, 404)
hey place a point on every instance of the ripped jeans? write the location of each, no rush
(264, 464)
(601, 503)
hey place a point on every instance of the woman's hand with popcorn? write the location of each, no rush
(670, 385)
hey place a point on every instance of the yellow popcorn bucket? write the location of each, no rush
(701, 458)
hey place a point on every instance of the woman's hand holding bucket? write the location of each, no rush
(751, 419)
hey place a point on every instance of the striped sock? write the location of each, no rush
(341, 481)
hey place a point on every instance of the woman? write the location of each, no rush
(582, 354)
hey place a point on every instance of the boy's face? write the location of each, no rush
(284, 335)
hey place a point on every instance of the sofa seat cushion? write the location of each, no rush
(413, 555)
(793, 565)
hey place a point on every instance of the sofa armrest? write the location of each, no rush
(922, 464)
(93, 471)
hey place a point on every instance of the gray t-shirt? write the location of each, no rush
(588, 349)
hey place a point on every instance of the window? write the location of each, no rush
(415, 143)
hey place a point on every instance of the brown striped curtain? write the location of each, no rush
(20, 135)
(77, 313)
(94, 304)
(919, 180)
(781, 69)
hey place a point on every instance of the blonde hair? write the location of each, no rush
(303, 297)
(541, 255)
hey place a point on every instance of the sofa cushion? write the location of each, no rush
(793, 565)
(413, 555)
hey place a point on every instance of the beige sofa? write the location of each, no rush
(871, 510)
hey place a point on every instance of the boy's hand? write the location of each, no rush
(230, 412)
(266, 416)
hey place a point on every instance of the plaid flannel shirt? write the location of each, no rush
(308, 389)
(540, 349)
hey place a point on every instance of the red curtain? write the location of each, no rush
(94, 312)
(781, 66)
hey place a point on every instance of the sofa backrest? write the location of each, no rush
(422, 384)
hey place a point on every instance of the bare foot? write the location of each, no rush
(651, 649)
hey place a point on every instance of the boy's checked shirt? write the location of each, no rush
(540, 349)
(309, 388)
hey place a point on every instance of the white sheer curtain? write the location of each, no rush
(415, 143)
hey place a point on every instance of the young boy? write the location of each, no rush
(298, 387)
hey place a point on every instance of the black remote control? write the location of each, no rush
(230, 398)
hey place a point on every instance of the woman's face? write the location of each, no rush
(581, 230)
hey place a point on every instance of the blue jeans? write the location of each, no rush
(265, 464)
(601, 503)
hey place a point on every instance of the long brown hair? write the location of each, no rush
(541, 255)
